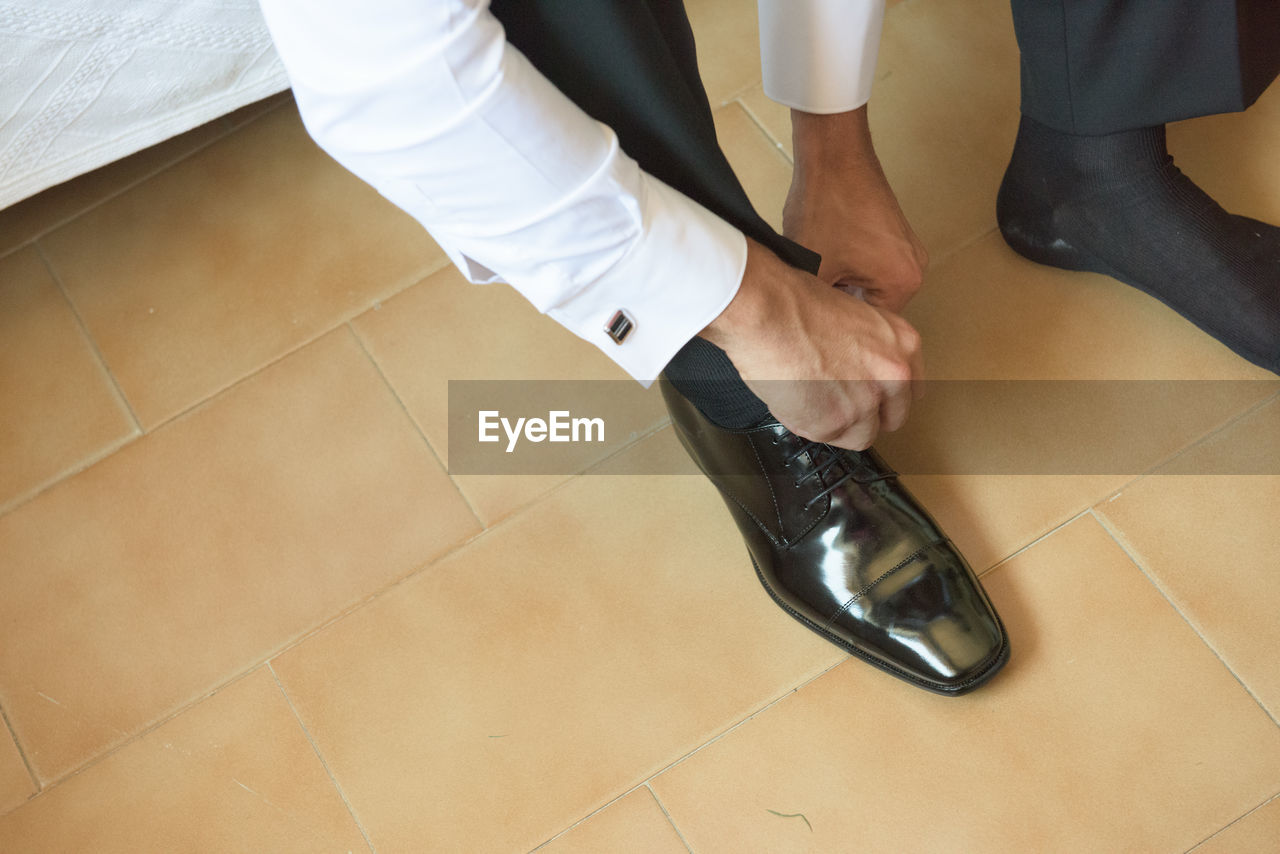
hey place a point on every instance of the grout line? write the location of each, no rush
(277, 100)
(761, 130)
(765, 130)
(222, 132)
(738, 93)
(166, 422)
(1036, 541)
(12, 504)
(1234, 821)
(360, 342)
(315, 747)
(1232, 421)
(24, 498)
(585, 818)
(22, 754)
(1113, 493)
(670, 820)
(1118, 538)
(617, 452)
(415, 278)
(775, 701)
(945, 257)
(93, 344)
(678, 760)
(144, 732)
(312, 631)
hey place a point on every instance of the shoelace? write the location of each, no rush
(833, 459)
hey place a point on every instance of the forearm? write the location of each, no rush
(426, 101)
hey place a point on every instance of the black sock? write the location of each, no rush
(703, 373)
(1116, 204)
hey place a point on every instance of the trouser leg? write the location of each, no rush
(1102, 66)
(1091, 185)
(632, 65)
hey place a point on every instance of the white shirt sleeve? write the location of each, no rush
(819, 56)
(426, 101)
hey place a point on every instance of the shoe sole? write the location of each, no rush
(995, 663)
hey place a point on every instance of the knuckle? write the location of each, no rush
(914, 280)
(895, 374)
(862, 439)
(896, 419)
(909, 337)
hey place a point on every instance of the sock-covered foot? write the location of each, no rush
(1117, 205)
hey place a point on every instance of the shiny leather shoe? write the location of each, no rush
(847, 551)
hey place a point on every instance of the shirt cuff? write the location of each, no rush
(679, 276)
(819, 56)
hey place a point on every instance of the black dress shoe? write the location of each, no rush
(847, 551)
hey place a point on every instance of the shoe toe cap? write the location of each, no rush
(931, 622)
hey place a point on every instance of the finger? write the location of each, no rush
(894, 405)
(860, 435)
(917, 374)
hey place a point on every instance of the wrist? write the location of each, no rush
(826, 141)
(763, 296)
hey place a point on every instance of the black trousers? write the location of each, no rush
(1089, 66)
(1102, 66)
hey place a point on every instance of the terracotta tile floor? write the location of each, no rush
(244, 605)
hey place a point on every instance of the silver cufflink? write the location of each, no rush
(620, 326)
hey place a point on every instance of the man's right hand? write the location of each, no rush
(830, 367)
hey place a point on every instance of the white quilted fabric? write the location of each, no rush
(85, 82)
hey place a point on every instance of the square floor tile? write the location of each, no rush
(448, 329)
(1212, 543)
(1256, 833)
(235, 773)
(547, 667)
(15, 783)
(227, 261)
(171, 566)
(1112, 728)
(58, 407)
(633, 823)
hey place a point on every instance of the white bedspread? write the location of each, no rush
(84, 82)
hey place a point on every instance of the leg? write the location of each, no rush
(1091, 185)
(835, 540)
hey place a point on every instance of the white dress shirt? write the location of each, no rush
(426, 101)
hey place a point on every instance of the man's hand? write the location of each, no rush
(841, 206)
(830, 367)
